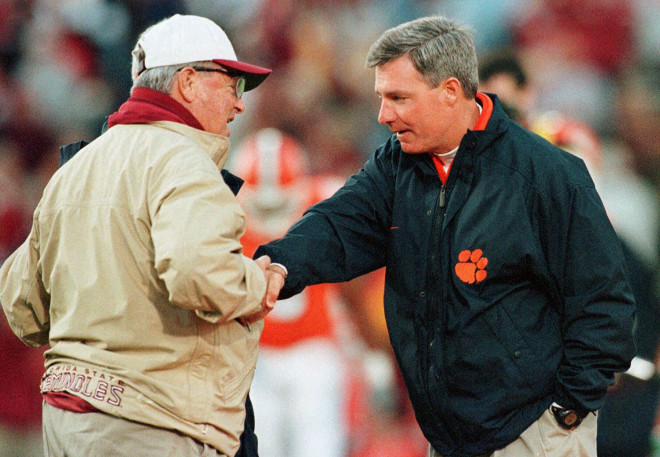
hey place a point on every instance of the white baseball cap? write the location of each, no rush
(186, 38)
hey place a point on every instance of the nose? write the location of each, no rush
(386, 113)
(239, 105)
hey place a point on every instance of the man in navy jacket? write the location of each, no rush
(506, 298)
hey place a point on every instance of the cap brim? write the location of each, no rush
(254, 75)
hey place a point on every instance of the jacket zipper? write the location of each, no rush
(442, 196)
(440, 314)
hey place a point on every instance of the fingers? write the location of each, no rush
(275, 277)
(263, 262)
(273, 288)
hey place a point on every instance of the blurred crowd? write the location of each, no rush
(65, 66)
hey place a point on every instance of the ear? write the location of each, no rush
(184, 85)
(453, 89)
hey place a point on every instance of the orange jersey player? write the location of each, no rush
(299, 386)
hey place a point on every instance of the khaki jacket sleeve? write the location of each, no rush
(24, 299)
(196, 228)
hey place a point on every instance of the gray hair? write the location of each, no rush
(160, 79)
(157, 78)
(438, 48)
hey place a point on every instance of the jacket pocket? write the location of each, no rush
(239, 384)
(482, 380)
(531, 340)
(237, 354)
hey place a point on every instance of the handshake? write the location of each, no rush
(275, 277)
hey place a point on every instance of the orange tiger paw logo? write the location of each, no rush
(471, 266)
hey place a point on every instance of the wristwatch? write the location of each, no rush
(568, 419)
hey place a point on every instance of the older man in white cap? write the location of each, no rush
(133, 272)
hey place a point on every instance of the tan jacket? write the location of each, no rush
(134, 273)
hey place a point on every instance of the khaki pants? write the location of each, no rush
(69, 434)
(545, 438)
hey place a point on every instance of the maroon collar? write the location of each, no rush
(148, 105)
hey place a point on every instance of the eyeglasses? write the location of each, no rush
(240, 82)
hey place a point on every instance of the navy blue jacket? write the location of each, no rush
(505, 288)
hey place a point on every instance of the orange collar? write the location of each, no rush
(484, 117)
(486, 111)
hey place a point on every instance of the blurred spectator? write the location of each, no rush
(62, 79)
(315, 95)
(14, 219)
(647, 30)
(598, 32)
(502, 73)
(90, 18)
(493, 20)
(14, 16)
(573, 49)
(638, 117)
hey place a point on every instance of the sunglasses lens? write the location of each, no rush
(240, 87)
